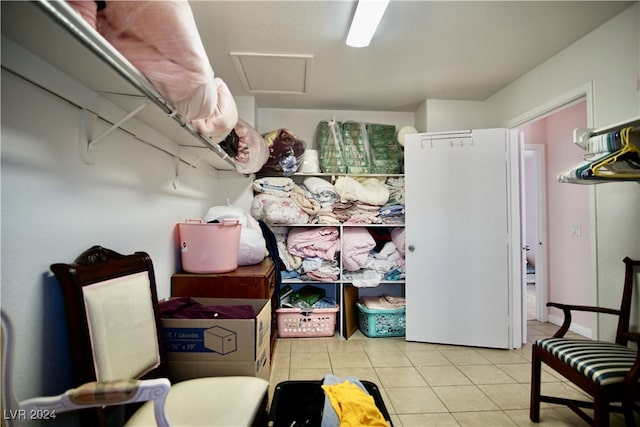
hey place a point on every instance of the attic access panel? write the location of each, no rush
(273, 73)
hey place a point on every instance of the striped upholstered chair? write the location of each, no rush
(607, 371)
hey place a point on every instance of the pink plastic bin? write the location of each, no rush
(294, 323)
(209, 248)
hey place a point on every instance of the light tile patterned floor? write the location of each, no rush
(433, 385)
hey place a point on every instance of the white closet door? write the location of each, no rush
(459, 255)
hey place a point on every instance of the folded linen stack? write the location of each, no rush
(320, 242)
(383, 302)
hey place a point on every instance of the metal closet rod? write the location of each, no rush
(68, 19)
(109, 122)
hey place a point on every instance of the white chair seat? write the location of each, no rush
(185, 405)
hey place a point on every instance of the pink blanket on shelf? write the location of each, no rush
(357, 242)
(161, 40)
(320, 242)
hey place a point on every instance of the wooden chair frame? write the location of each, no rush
(96, 394)
(223, 398)
(624, 392)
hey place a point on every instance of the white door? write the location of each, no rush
(463, 238)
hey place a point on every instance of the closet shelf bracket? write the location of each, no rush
(75, 26)
(178, 170)
(87, 124)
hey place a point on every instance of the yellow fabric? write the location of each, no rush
(353, 406)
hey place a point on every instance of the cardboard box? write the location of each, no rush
(220, 347)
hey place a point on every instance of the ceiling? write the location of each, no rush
(456, 50)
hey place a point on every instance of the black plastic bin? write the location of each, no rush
(301, 403)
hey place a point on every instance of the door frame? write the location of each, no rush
(585, 93)
(538, 151)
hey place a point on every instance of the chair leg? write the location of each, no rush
(629, 417)
(600, 412)
(536, 367)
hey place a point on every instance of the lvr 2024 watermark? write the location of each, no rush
(31, 414)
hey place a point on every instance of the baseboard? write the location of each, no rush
(580, 330)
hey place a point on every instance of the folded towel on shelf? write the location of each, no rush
(279, 186)
(321, 189)
(383, 302)
(367, 190)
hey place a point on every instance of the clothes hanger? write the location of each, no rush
(623, 163)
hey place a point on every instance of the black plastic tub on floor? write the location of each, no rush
(301, 403)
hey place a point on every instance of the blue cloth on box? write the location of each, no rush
(329, 416)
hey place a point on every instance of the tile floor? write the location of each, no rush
(433, 385)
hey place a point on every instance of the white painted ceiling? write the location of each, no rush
(459, 50)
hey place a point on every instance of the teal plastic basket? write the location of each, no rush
(382, 323)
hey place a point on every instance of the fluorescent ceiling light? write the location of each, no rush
(365, 21)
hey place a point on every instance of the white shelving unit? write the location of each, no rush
(337, 288)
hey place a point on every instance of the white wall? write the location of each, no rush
(588, 63)
(304, 122)
(608, 57)
(441, 115)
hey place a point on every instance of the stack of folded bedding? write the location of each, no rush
(396, 189)
(281, 201)
(350, 200)
(372, 190)
(383, 261)
(321, 242)
(383, 302)
(357, 242)
(317, 248)
(321, 189)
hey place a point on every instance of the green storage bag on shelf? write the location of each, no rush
(329, 137)
(356, 147)
(387, 156)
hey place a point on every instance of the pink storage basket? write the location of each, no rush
(294, 323)
(209, 247)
